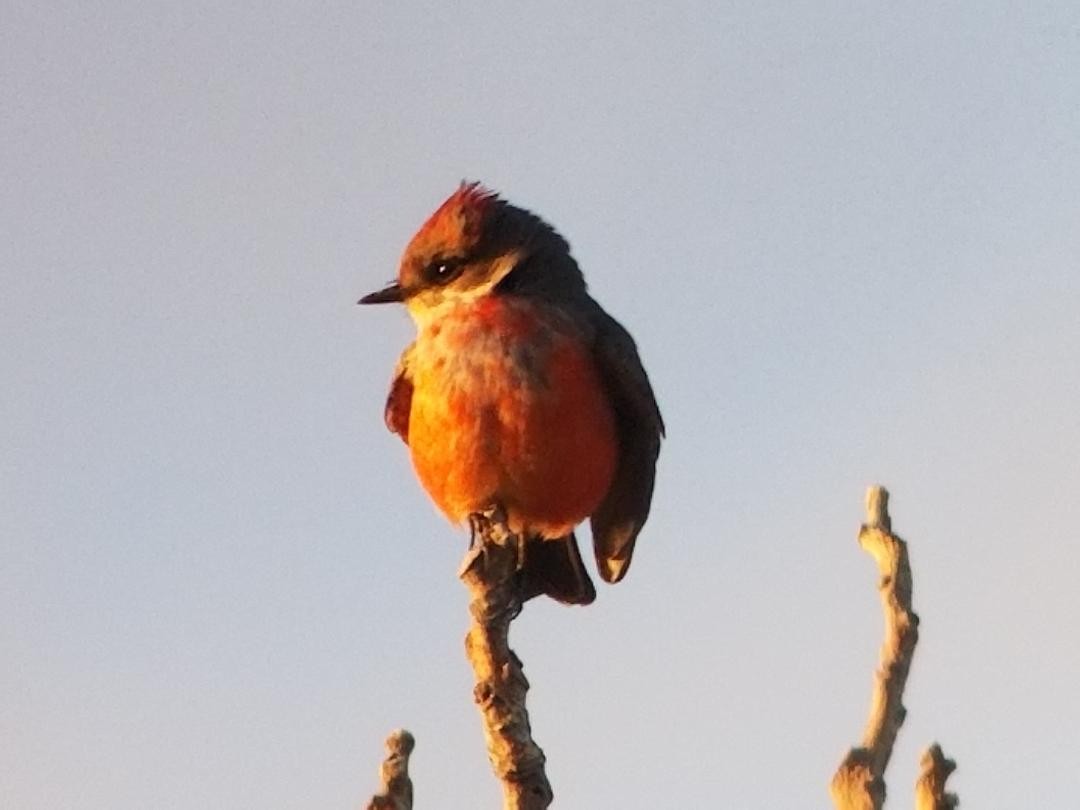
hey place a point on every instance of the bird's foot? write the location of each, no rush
(477, 524)
(486, 527)
(496, 556)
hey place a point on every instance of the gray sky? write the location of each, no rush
(845, 236)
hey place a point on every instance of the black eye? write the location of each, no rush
(443, 271)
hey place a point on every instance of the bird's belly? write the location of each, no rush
(513, 423)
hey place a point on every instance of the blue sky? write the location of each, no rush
(845, 237)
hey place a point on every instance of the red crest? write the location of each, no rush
(463, 212)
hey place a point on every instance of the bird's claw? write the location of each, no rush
(479, 523)
(490, 554)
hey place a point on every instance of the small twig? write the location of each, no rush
(930, 787)
(859, 782)
(490, 573)
(395, 790)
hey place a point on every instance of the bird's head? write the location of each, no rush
(477, 244)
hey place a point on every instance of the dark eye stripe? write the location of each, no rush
(443, 271)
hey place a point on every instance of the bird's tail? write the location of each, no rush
(554, 567)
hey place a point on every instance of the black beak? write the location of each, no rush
(392, 293)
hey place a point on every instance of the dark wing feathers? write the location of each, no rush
(399, 400)
(619, 518)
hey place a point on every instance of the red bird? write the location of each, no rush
(521, 392)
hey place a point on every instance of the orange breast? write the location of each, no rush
(508, 409)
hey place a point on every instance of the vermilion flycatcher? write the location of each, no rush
(521, 392)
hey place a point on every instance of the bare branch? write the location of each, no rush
(930, 787)
(395, 791)
(901, 629)
(859, 782)
(490, 573)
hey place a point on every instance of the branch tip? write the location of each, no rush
(859, 783)
(935, 769)
(400, 742)
(395, 790)
(877, 508)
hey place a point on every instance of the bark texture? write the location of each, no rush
(395, 790)
(930, 788)
(859, 782)
(490, 572)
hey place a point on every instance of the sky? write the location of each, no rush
(845, 238)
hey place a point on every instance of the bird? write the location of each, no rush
(520, 392)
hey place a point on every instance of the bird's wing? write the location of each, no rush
(399, 400)
(619, 518)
